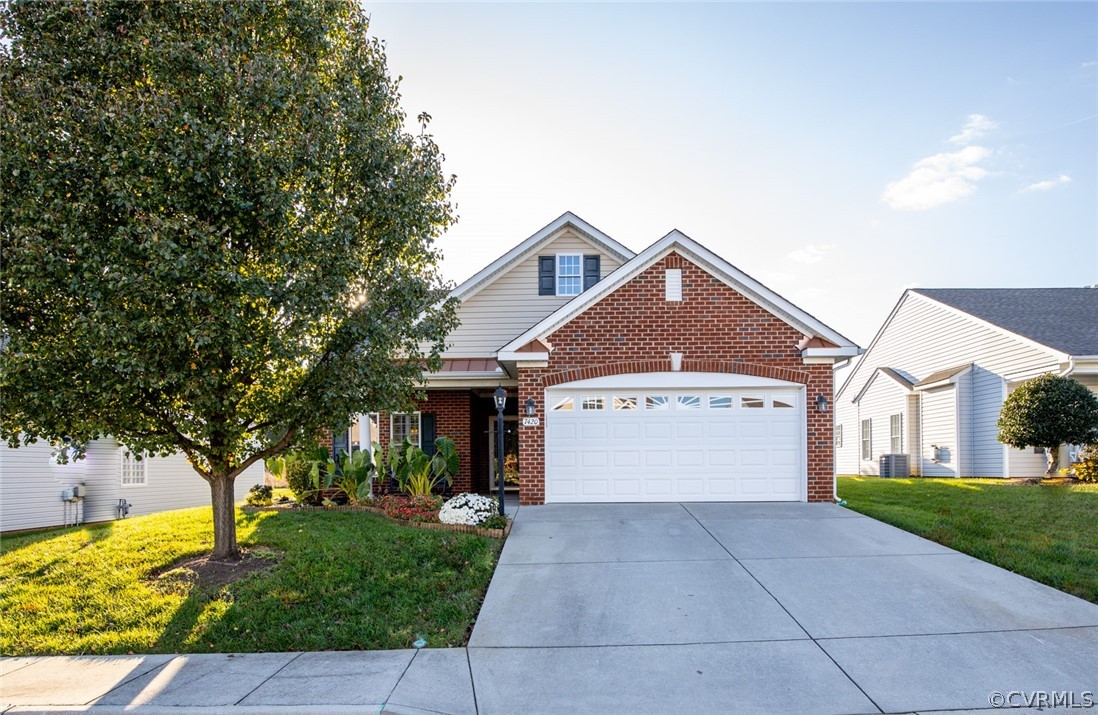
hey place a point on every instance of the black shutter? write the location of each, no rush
(427, 433)
(547, 275)
(590, 271)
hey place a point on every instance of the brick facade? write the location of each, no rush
(634, 329)
(453, 418)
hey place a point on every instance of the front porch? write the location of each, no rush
(465, 415)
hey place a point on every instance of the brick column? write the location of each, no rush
(821, 435)
(532, 439)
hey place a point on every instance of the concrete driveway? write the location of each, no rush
(778, 608)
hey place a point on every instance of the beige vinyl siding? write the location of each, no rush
(939, 421)
(510, 304)
(923, 337)
(31, 485)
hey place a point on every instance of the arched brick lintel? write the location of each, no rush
(731, 367)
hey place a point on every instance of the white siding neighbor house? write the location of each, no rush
(32, 483)
(933, 380)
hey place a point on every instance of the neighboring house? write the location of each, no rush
(932, 382)
(31, 483)
(668, 375)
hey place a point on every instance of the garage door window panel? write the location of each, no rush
(625, 404)
(752, 402)
(564, 404)
(689, 402)
(657, 402)
(594, 403)
(720, 402)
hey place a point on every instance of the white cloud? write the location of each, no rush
(976, 126)
(938, 179)
(1049, 184)
(810, 253)
(1085, 65)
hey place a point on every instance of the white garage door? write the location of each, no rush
(675, 437)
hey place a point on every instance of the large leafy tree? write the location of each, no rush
(217, 235)
(1049, 411)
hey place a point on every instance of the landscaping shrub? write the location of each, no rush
(259, 495)
(417, 508)
(496, 521)
(468, 509)
(1086, 469)
(300, 482)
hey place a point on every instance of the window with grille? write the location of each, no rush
(134, 472)
(896, 434)
(404, 424)
(867, 439)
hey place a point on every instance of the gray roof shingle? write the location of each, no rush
(1065, 319)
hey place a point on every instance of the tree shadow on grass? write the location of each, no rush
(345, 581)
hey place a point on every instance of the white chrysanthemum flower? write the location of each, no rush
(467, 509)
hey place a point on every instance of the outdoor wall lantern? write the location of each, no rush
(821, 404)
(500, 397)
(530, 406)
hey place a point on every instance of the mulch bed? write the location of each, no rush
(460, 528)
(208, 573)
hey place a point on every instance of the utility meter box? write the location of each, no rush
(79, 491)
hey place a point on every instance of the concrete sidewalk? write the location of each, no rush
(393, 681)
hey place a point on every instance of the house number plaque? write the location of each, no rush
(531, 421)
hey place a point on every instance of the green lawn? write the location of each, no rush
(343, 581)
(1044, 531)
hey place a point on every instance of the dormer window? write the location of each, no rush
(569, 275)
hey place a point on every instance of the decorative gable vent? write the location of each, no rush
(673, 283)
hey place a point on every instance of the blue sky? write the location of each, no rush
(837, 152)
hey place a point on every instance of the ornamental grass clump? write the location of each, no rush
(468, 509)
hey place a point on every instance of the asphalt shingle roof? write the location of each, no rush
(1065, 319)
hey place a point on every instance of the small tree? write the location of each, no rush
(217, 236)
(1046, 412)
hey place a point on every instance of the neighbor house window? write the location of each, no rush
(569, 273)
(134, 472)
(867, 439)
(896, 434)
(404, 424)
(838, 435)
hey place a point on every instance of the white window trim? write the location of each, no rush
(865, 440)
(898, 435)
(142, 463)
(419, 432)
(558, 275)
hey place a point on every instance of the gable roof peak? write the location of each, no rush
(532, 243)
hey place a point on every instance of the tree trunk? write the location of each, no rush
(1052, 458)
(224, 519)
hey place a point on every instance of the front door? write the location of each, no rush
(510, 454)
